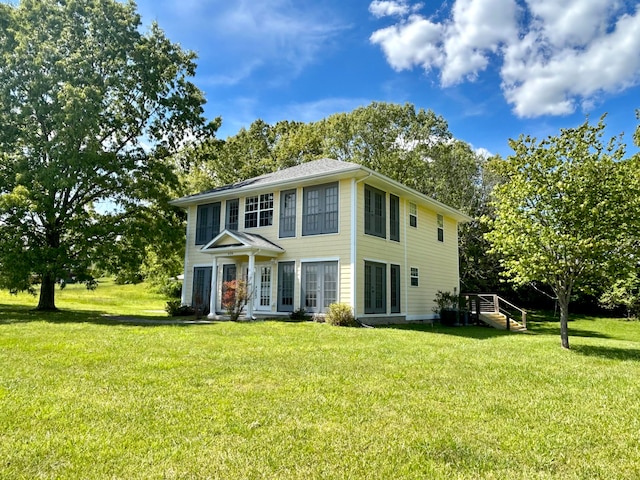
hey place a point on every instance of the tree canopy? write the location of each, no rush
(90, 108)
(567, 215)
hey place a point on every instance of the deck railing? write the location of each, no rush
(491, 303)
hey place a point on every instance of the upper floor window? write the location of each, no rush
(440, 228)
(374, 212)
(232, 214)
(207, 223)
(320, 209)
(394, 218)
(288, 214)
(413, 215)
(258, 211)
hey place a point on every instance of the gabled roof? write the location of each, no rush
(312, 171)
(244, 243)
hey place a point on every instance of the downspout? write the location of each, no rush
(354, 243)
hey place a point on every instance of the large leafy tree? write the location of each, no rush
(90, 107)
(567, 216)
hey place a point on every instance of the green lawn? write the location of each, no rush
(82, 396)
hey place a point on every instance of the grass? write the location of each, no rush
(82, 396)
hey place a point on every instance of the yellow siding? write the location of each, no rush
(335, 246)
(436, 261)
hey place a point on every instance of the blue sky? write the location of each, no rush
(492, 68)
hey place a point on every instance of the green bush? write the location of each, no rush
(170, 288)
(299, 314)
(340, 314)
(175, 309)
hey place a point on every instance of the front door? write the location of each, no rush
(262, 290)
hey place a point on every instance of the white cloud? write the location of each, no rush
(385, 8)
(556, 55)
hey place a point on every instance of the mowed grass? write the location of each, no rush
(82, 396)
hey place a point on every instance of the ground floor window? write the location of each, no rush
(286, 285)
(375, 287)
(201, 288)
(319, 285)
(395, 288)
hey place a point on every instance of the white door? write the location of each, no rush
(262, 292)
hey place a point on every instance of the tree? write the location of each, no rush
(90, 108)
(567, 215)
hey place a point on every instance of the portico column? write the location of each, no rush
(250, 284)
(214, 288)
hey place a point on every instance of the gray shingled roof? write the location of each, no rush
(324, 166)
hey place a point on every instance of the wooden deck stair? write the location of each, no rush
(499, 321)
(496, 312)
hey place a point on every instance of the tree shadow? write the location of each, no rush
(544, 328)
(477, 332)
(11, 314)
(613, 353)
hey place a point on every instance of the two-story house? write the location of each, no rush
(318, 233)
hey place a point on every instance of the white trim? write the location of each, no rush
(183, 294)
(319, 259)
(353, 246)
(404, 274)
(386, 262)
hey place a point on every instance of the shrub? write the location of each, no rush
(340, 314)
(299, 314)
(175, 309)
(170, 288)
(235, 295)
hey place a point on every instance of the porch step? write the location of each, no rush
(499, 321)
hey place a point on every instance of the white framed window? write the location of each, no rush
(440, 228)
(415, 277)
(413, 215)
(258, 211)
(319, 285)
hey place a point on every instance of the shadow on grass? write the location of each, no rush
(16, 314)
(540, 328)
(612, 353)
(470, 331)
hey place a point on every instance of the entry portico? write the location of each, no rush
(241, 248)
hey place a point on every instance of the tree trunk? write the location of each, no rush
(47, 293)
(563, 300)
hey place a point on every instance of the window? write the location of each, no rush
(374, 212)
(394, 218)
(288, 214)
(440, 228)
(258, 211)
(375, 287)
(413, 215)
(286, 282)
(208, 223)
(319, 285)
(201, 288)
(232, 214)
(264, 288)
(320, 209)
(414, 277)
(395, 288)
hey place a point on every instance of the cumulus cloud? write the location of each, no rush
(552, 55)
(385, 8)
